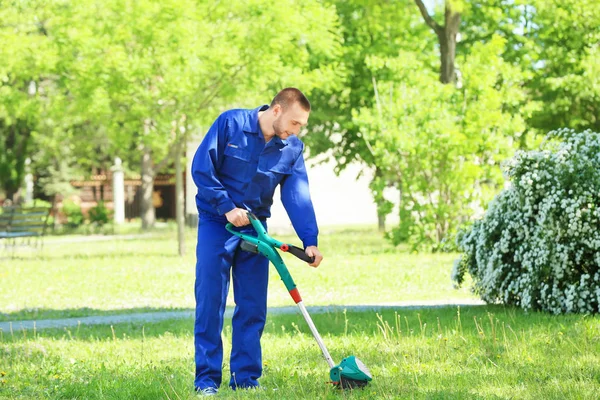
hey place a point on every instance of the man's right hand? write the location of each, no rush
(238, 217)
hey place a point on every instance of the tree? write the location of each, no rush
(393, 118)
(369, 28)
(134, 78)
(38, 112)
(557, 43)
(438, 145)
(446, 35)
(567, 81)
(26, 73)
(168, 66)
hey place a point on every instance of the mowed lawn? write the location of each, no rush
(79, 278)
(475, 352)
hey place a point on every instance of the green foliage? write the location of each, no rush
(82, 82)
(567, 79)
(538, 246)
(438, 145)
(99, 215)
(55, 179)
(73, 213)
(14, 141)
(86, 81)
(521, 71)
(369, 28)
(28, 63)
(168, 67)
(37, 203)
(38, 114)
(148, 74)
(553, 42)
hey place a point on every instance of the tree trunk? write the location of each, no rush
(381, 223)
(447, 54)
(54, 212)
(10, 194)
(379, 200)
(523, 140)
(179, 198)
(146, 205)
(446, 37)
(15, 138)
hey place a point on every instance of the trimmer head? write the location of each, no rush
(351, 373)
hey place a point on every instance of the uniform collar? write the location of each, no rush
(251, 125)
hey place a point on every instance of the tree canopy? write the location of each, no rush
(430, 96)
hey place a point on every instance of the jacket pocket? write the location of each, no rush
(237, 164)
(241, 153)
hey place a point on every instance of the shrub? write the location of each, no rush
(538, 246)
(99, 215)
(73, 213)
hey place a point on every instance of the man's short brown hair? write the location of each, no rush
(289, 96)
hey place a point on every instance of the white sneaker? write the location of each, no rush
(209, 391)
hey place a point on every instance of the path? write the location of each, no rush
(149, 317)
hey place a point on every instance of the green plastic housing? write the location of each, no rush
(350, 368)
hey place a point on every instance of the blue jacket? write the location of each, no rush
(234, 168)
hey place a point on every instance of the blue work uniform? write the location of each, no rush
(234, 167)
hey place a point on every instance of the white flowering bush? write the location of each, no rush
(538, 245)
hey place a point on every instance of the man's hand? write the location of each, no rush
(238, 217)
(313, 251)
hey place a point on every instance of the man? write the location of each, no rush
(241, 160)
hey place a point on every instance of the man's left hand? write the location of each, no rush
(313, 251)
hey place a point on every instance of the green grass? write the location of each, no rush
(128, 227)
(482, 352)
(72, 279)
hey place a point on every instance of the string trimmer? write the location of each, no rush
(351, 372)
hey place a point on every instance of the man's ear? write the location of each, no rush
(277, 110)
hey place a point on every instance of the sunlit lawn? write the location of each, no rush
(99, 277)
(479, 352)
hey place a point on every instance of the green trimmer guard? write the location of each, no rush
(351, 372)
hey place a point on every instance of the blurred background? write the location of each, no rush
(416, 104)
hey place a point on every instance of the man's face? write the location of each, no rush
(290, 121)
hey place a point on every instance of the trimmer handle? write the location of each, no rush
(251, 243)
(251, 216)
(298, 252)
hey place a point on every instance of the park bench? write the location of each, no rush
(23, 222)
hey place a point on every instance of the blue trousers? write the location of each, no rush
(218, 255)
